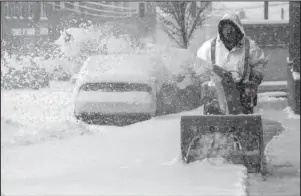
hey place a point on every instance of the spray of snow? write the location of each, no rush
(51, 64)
(94, 40)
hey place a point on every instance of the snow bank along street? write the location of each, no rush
(44, 151)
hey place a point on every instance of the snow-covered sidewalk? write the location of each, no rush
(283, 152)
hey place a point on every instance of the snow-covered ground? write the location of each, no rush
(44, 151)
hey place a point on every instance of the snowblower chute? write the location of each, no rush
(232, 131)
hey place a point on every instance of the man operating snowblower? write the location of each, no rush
(233, 60)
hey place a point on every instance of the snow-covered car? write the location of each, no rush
(116, 86)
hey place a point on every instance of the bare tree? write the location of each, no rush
(180, 19)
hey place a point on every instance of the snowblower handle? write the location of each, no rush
(221, 72)
(225, 75)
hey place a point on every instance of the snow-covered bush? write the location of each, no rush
(22, 72)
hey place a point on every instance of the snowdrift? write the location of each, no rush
(140, 159)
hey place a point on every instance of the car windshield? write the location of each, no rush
(117, 87)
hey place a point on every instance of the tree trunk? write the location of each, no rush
(184, 40)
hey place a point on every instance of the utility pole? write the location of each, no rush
(294, 23)
(2, 20)
(266, 10)
(293, 83)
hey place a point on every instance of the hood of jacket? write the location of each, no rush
(234, 19)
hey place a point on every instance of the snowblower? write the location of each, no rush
(227, 127)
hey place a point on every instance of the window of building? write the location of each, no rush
(76, 6)
(6, 9)
(81, 6)
(43, 10)
(57, 5)
(126, 4)
(17, 9)
(30, 10)
(117, 4)
(69, 4)
(25, 9)
(13, 9)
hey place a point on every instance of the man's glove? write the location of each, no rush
(256, 77)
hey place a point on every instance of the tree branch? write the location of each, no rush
(197, 19)
(181, 20)
(169, 24)
(172, 37)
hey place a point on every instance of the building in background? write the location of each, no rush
(31, 23)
